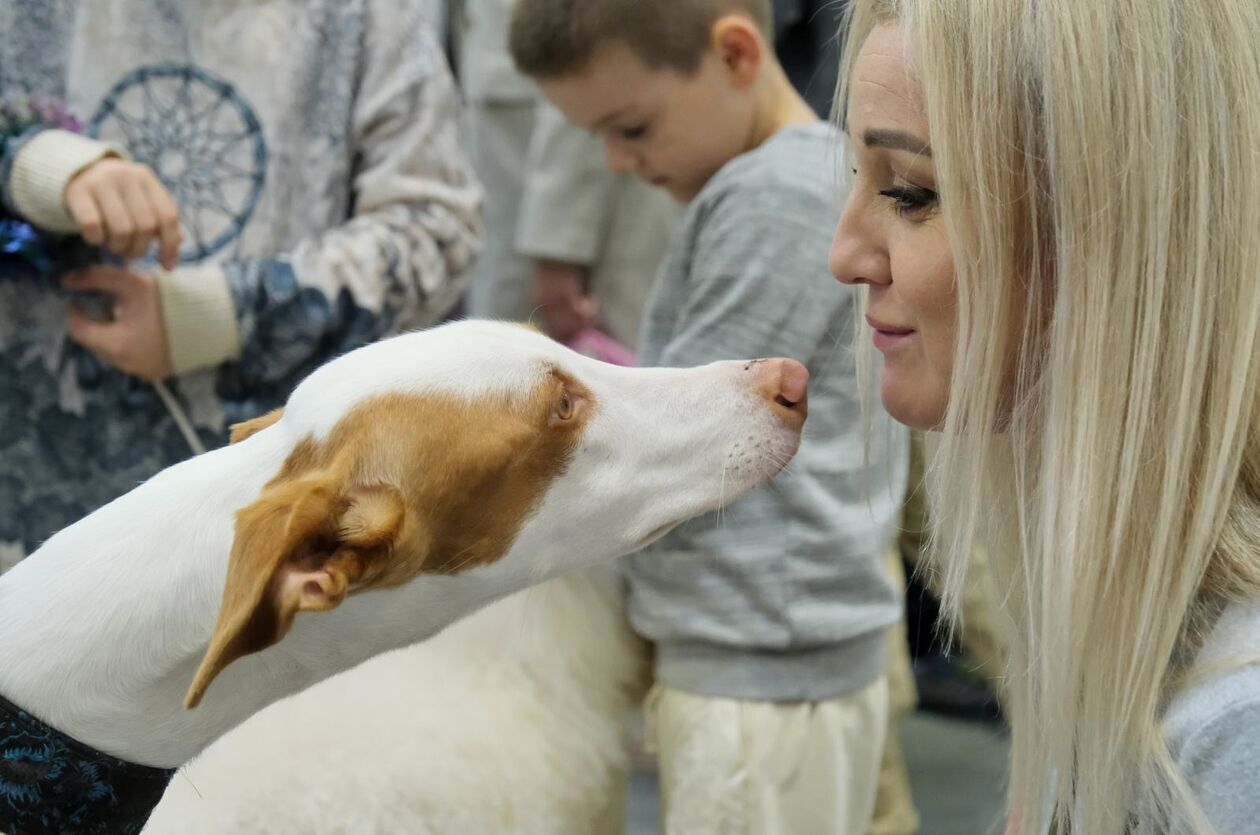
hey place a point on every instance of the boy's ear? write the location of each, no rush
(299, 548)
(248, 428)
(740, 45)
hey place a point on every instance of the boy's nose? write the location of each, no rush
(619, 161)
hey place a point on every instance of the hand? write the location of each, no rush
(122, 206)
(559, 293)
(134, 340)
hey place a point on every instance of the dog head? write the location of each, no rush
(483, 444)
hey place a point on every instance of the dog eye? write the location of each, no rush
(564, 410)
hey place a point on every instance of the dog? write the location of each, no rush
(403, 486)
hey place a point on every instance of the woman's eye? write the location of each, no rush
(565, 410)
(635, 132)
(910, 200)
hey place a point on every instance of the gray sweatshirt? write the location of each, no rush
(783, 595)
(1213, 728)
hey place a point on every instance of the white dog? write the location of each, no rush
(405, 485)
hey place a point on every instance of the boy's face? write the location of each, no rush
(672, 130)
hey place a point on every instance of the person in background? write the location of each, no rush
(313, 153)
(500, 111)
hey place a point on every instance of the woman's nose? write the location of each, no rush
(858, 253)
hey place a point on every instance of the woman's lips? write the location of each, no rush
(888, 336)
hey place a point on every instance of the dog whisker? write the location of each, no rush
(189, 781)
(783, 462)
(721, 513)
(534, 313)
(457, 566)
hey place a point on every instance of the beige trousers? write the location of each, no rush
(731, 767)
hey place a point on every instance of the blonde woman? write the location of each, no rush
(1056, 215)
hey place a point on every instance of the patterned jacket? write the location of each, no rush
(313, 148)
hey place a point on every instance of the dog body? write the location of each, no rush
(510, 721)
(403, 486)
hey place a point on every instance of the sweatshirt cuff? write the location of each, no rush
(42, 169)
(201, 327)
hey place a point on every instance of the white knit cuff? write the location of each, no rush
(201, 328)
(42, 169)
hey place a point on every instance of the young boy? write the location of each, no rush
(769, 617)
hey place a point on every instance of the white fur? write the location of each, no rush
(102, 628)
(509, 722)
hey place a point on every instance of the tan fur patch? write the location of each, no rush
(404, 485)
(249, 428)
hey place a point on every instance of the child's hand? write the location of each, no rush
(122, 206)
(559, 293)
(133, 340)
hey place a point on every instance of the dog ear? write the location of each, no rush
(299, 547)
(249, 428)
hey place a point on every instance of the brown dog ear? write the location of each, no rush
(298, 548)
(248, 428)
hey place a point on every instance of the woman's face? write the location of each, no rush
(891, 236)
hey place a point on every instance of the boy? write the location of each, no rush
(768, 618)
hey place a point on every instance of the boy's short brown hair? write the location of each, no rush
(553, 38)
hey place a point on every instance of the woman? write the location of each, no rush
(1055, 214)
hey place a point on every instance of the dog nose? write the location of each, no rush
(784, 382)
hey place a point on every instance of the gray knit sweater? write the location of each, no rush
(783, 595)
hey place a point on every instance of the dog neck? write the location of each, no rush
(102, 629)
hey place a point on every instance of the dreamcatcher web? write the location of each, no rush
(201, 138)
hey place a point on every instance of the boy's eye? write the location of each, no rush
(910, 200)
(633, 132)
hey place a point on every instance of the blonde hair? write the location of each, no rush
(1099, 166)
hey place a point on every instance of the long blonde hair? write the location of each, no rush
(1099, 166)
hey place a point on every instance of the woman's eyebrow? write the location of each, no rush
(896, 140)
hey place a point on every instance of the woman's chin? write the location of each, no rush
(914, 405)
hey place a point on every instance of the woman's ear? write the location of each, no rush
(298, 548)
